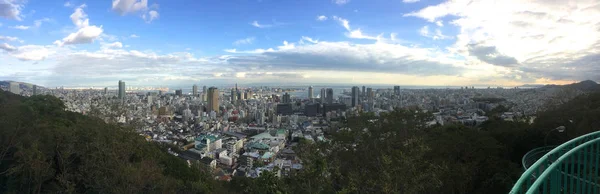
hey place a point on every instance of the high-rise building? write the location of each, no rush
(121, 89)
(35, 90)
(160, 92)
(310, 92)
(150, 99)
(179, 92)
(397, 90)
(370, 95)
(15, 88)
(323, 95)
(286, 98)
(213, 99)
(204, 89)
(233, 95)
(355, 96)
(195, 90)
(105, 90)
(363, 93)
(329, 96)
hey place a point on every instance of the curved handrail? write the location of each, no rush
(528, 175)
(557, 162)
(533, 152)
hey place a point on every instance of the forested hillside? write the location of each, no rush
(45, 149)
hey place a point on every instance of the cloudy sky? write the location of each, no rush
(404, 42)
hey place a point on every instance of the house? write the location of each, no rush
(212, 163)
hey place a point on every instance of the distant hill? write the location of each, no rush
(587, 85)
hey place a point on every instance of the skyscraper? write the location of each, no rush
(105, 90)
(355, 96)
(195, 90)
(397, 90)
(35, 90)
(363, 91)
(323, 95)
(15, 88)
(310, 92)
(204, 89)
(233, 94)
(329, 96)
(213, 99)
(179, 92)
(370, 95)
(121, 89)
(286, 98)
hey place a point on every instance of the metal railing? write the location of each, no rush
(571, 167)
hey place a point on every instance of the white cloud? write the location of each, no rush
(123, 7)
(68, 4)
(151, 15)
(439, 23)
(286, 46)
(114, 45)
(36, 24)
(424, 31)
(27, 52)
(341, 2)
(32, 53)
(133, 36)
(21, 27)
(549, 39)
(7, 47)
(343, 21)
(11, 9)
(359, 35)
(321, 18)
(79, 18)
(356, 33)
(309, 39)
(256, 24)
(248, 40)
(11, 39)
(82, 36)
(85, 33)
(410, 1)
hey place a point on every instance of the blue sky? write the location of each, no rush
(407, 42)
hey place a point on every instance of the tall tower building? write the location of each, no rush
(121, 89)
(310, 92)
(370, 95)
(179, 92)
(234, 94)
(323, 95)
(363, 93)
(355, 96)
(15, 88)
(329, 96)
(204, 89)
(397, 90)
(213, 99)
(195, 90)
(35, 90)
(286, 98)
(105, 90)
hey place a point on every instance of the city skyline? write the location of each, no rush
(432, 43)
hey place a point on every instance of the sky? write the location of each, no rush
(208, 42)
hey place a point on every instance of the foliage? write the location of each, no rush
(48, 150)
